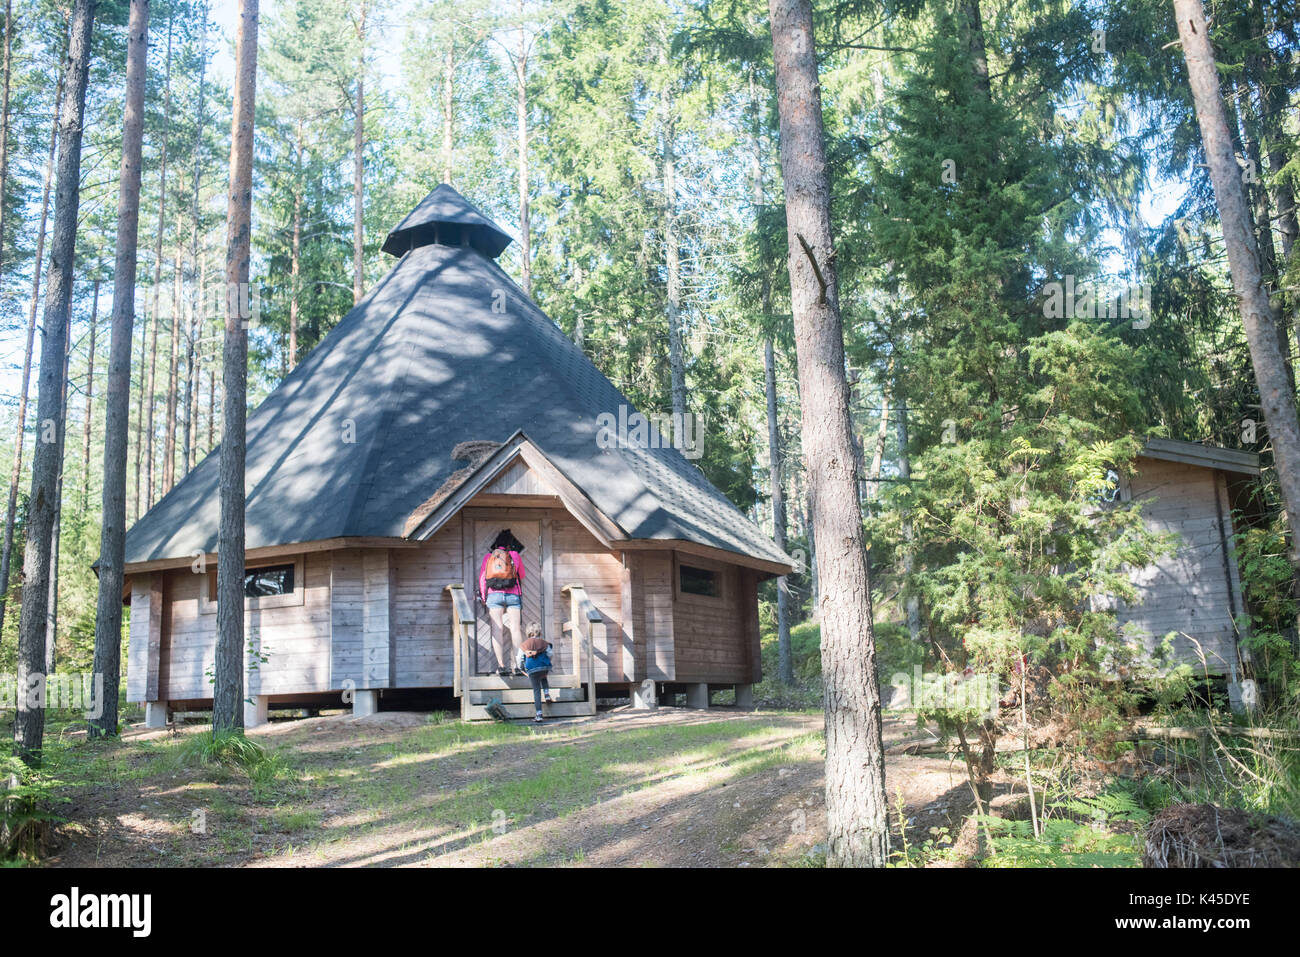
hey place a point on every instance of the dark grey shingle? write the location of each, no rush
(446, 348)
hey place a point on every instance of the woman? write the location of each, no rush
(500, 585)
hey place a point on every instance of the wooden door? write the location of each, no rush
(529, 534)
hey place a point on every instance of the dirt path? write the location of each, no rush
(720, 788)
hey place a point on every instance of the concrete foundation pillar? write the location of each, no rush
(745, 697)
(644, 695)
(255, 711)
(364, 703)
(697, 695)
(155, 714)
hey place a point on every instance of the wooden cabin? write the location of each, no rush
(1190, 490)
(365, 528)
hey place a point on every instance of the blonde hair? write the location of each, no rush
(534, 630)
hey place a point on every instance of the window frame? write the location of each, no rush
(694, 561)
(208, 587)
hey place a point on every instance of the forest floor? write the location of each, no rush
(674, 787)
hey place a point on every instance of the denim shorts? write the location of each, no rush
(502, 599)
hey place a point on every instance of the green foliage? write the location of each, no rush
(26, 808)
(233, 752)
(1104, 830)
(1062, 843)
(1266, 577)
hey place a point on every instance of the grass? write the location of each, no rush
(1258, 775)
(418, 792)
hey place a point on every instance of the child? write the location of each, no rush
(535, 655)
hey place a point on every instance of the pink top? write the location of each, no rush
(517, 589)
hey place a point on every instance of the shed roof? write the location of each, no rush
(443, 349)
(1206, 456)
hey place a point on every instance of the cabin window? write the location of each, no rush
(265, 586)
(698, 581)
(270, 580)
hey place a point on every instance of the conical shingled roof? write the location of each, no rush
(446, 348)
(446, 216)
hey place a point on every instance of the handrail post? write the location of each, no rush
(462, 619)
(584, 619)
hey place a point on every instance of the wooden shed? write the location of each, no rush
(364, 528)
(1191, 491)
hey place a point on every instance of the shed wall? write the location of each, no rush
(1196, 590)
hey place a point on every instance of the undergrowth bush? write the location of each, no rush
(26, 809)
(232, 751)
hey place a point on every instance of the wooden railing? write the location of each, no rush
(463, 629)
(586, 626)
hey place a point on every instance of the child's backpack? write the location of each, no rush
(500, 571)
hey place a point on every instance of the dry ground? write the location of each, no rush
(721, 788)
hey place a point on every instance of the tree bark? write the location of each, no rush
(1258, 199)
(358, 160)
(29, 722)
(448, 106)
(90, 400)
(139, 422)
(878, 452)
(857, 829)
(295, 261)
(1257, 314)
(112, 535)
(912, 604)
(784, 656)
(228, 693)
(148, 393)
(52, 614)
(973, 33)
(15, 475)
(196, 297)
(173, 360)
(521, 122)
(672, 261)
(4, 122)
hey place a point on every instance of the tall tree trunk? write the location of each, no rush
(196, 296)
(775, 456)
(785, 659)
(151, 392)
(295, 256)
(878, 451)
(448, 108)
(52, 614)
(212, 398)
(1258, 198)
(139, 423)
(228, 693)
(90, 399)
(4, 123)
(521, 123)
(148, 393)
(672, 260)
(173, 361)
(15, 475)
(29, 722)
(973, 34)
(1257, 315)
(912, 604)
(857, 831)
(112, 535)
(358, 166)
